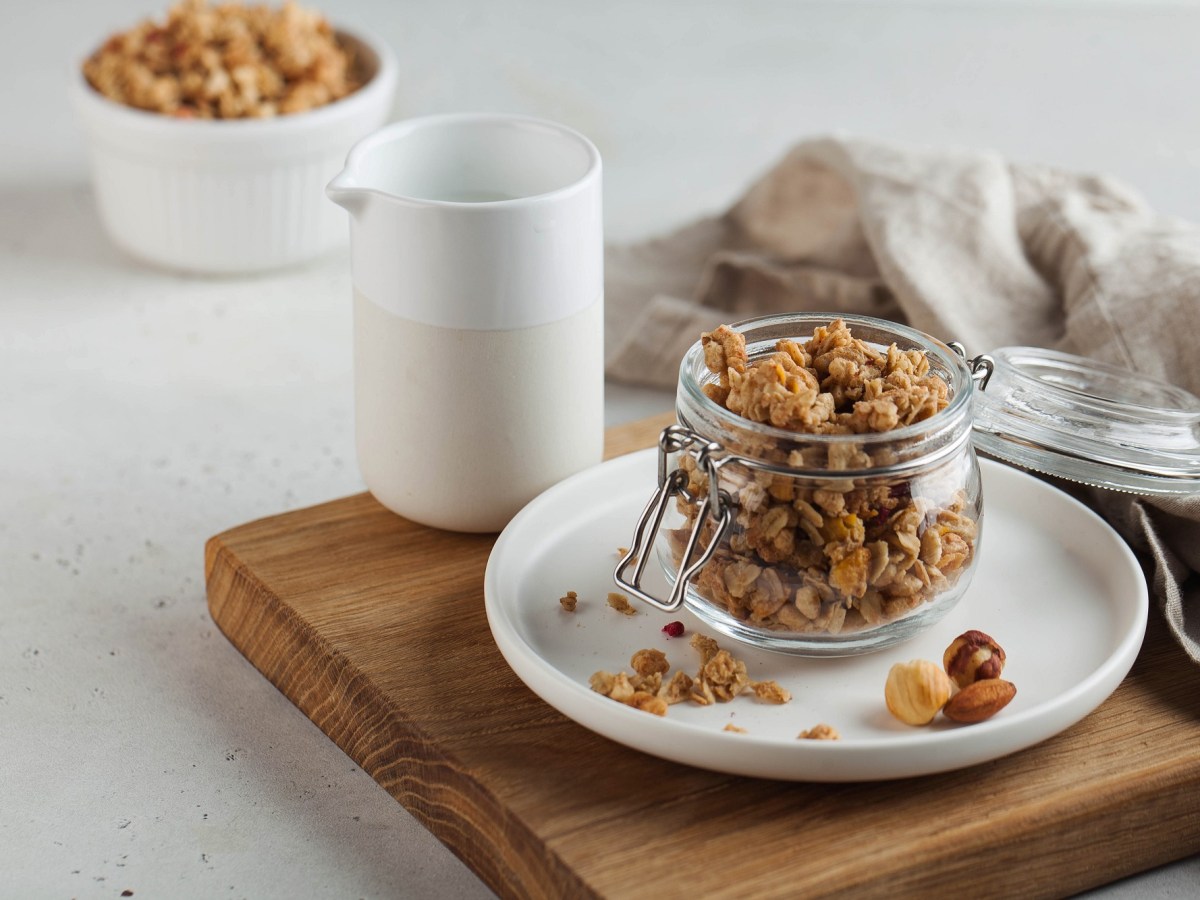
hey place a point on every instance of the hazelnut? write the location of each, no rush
(973, 656)
(916, 690)
(979, 700)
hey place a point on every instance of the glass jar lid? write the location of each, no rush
(1089, 422)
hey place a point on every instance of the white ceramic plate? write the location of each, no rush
(1056, 587)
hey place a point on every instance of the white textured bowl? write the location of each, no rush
(229, 196)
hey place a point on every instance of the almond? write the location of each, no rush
(979, 700)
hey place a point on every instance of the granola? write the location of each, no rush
(720, 678)
(621, 604)
(225, 62)
(770, 692)
(705, 646)
(569, 601)
(650, 662)
(820, 732)
(829, 553)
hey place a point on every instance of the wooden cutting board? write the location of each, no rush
(375, 628)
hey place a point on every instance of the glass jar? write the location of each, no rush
(814, 544)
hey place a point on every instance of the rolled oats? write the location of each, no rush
(836, 554)
(225, 62)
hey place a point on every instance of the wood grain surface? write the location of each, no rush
(375, 628)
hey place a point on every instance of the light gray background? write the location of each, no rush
(142, 412)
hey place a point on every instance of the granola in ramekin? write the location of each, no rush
(225, 62)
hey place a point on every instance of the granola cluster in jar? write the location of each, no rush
(225, 62)
(831, 552)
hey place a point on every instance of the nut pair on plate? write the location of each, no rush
(966, 688)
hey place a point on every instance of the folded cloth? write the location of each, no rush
(962, 245)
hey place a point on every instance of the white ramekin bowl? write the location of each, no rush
(229, 196)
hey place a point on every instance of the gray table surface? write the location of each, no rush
(141, 412)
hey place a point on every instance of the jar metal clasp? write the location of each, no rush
(710, 456)
(981, 366)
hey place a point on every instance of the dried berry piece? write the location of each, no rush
(673, 629)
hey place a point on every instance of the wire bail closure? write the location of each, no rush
(710, 456)
(981, 366)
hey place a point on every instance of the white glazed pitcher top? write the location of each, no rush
(475, 221)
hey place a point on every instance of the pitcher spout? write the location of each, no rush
(345, 193)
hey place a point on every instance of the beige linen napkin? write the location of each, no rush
(960, 244)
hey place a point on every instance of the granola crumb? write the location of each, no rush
(730, 727)
(649, 661)
(719, 679)
(569, 601)
(648, 702)
(725, 675)
(701, 693)
(602, 682)
(621, 604)
(678, 689)
(650, 684)
(622, 691)
(705, 646)
(820, 732)
(770, 692)
(642, 692)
